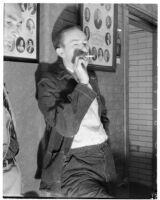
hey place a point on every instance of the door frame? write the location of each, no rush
(133, 15)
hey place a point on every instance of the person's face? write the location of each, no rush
(94, 52)
(106, 55)
(30, 23)
(30, 43)
(100, 53)
(21, 43)
(72, 40)
(108, 36)
(12, 23)
(87, 13)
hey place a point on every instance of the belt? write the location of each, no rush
(7, 164)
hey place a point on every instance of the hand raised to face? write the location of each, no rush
(80, 65)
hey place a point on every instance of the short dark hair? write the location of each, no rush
(57, 36)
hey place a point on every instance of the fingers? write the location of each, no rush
(81, 71)
(81, 62)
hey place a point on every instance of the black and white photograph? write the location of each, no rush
(87, 32)
(87, 14)
(20, 45)
(108, 22)
(30, 46)
(97, 18)
(79, 84)
(20, 24)
(94, 53)
(108, 38)
(30, 26)
(102, 26)
(100, 53)
(106, 55)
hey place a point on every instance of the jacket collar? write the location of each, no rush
(62, 72)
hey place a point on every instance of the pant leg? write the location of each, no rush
(84, 173)
(110, 170)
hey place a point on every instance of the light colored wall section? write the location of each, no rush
(140, 106)
(19, 78)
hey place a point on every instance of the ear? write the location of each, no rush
(60, 52)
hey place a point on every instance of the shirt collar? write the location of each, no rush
(65, 72)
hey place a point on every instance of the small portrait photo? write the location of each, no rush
(108, 38)
(97, 18)
(90, 51)
(100, 54)
(30, 25)
(108, 22)
(32, 7)
(87, 32)
(108, 6)
(9, 45)
(87, 14)
(20, 45)
(106, 55)
(94, 53)
(30, 46)
(23, 6)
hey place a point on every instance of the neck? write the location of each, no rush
(68, 66)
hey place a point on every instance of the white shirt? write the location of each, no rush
(91, 130)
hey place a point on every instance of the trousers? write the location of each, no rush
(89, 172)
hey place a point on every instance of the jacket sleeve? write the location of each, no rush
(65, 117)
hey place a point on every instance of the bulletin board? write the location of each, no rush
(22, 44)
(99, 23)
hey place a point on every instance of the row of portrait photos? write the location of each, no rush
(100, 54)
(107, 35)
(21, 45)
(97, 17)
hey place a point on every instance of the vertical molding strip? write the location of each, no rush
(125, 25)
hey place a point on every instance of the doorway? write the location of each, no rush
(142, 104)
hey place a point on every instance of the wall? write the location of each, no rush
(19, 77)
(112, 88)
(140, 106)
(141, 70)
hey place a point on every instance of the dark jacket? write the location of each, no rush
(64, 103)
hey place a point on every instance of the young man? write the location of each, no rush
(78, 161)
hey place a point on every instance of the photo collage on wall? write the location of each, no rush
(98, 27)
(24, 45)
